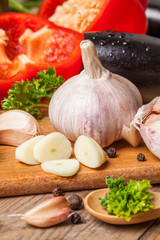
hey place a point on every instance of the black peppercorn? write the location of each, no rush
(57, 192)
(141, 157)
(75, 218)
(111, 152)
(75, 202)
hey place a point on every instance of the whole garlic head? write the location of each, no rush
(95, 103)
(147, 121)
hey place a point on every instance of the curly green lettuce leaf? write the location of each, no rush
(27, 95)
(126, 200)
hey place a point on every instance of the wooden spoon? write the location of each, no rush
(91, 204)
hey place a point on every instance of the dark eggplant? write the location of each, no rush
(153, 15)
(134, 56)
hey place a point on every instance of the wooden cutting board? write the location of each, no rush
(17, 178)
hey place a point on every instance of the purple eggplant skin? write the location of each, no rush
(133, 56)
(153, 15)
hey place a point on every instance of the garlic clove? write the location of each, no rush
(147, 121)
(48, 213)
(131, 135)
(153, 121)
(17, 126)
(89, 152)
(24, 152)
(61, 167)
(52, 147)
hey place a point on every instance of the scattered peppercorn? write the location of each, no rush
(75, 218)
(57, 192)
(111, 152)
(75, 202)
(141, 157)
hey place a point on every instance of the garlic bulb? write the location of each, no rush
(17, 126)
(95, 103)
(147, 121)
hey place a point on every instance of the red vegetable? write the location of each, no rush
(45, 44)
(6, 82)
(144, 3)
(118, 15)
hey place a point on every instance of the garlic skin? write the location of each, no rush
(95, 103)
(147, 121)
(48, 213)
(131, 135)
(17, 126)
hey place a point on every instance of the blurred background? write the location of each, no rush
(20, 5)
(26, 6)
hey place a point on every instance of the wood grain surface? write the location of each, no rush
(17, 178)
(11, 227)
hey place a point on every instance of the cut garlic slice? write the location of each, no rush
(61, 167)
(54, 146)
(89, 152)
(24, 152)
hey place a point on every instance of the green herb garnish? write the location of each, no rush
(125, 200)
(27, 95)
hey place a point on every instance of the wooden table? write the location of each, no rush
(12, 228)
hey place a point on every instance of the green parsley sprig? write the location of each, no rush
(126, 200)
(27, 95)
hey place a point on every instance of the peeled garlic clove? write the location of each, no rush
(147, 121)
(52, 147)
(61, 167)
(48, 213)
(89, 152)
(95, 103)
(17, 126)
(24, 152)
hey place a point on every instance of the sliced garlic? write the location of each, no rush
(61, 167)
(147, 121)
(24, 152)
(89, 152)
(52, 147)
(17, 126)
(48, 213)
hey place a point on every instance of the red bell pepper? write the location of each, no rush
(45, 45)
(144, 3)
(118, 15)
